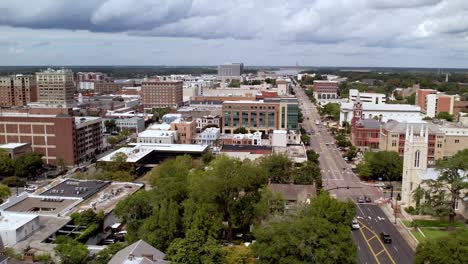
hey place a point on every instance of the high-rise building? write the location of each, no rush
(17, 90)
(161, 94)
(55, 87)
(230, 71)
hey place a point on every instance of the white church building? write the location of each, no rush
(415, 169)
(384, 112)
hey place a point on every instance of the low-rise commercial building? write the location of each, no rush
(208, 120)
(135, 124)
(241, 139)
(208, 136)
(263, 115)
(157, 136)
(15, 150)
(15, 227)
(186, 131)
(55, 137)
(365, 134)
(375, 98)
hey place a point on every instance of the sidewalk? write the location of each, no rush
(402, 229)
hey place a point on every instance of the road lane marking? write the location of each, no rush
(380, 241)
(370, 247)
(371, 238)
(380, 252)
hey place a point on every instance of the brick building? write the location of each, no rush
(160, 94)
(325, 90)
(186, 130)
(17, 90)
(365, 133)
(73, 139)
(421, 97)
(111, 87)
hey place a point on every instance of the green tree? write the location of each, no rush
(105, 255)
(13, 181)
(313, 156)
(308, 173)
(387, 165)
(4, 192)
(133, 211)
(240, 130)
(235, 83)
(446, 116)
(278, 167)
(452, 249)
(331, 109)
(351, 153)
(411, 99)
(7, 167)
(113, 140)
(305, 139)
(451, 183)
(238, 255)
(28, 165)
(319, 234)
(110, 125)
(194, 248)
(70, 251)
(233, 185)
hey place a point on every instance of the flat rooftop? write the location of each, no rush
(156, 133)
(76, 188)
(13, 145)
(141, 150)
(383, 107)
(44, 205)
(13, 221)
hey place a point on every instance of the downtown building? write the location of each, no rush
(325, 90)
(161, 94)
(230, 71)
(262, 116)
(55, 87)
(17, 90)
(54, 137)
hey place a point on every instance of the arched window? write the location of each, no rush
(416, 158)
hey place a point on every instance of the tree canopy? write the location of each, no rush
(331, 109)
(318, 234)
(451, 184)
(385, 165)
(70, 251)
(28, 165)
(278, 167)
(4, 192)
(451, 249)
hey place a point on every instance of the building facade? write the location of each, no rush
(375, 98)
(324, 90)
(17, 90)
(136, 124)
(157, 137)
(383, 112)
(393, 137)
(55, 87)
(208, 120)
(230, 71)
(438, 103)
(54, 137)
(161, 94)
(186, 130)
(263, 115)
(209, 136)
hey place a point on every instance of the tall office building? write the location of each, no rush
(55, 87)
(230, 71)
(160, 94)
(17, 90)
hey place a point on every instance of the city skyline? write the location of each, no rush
(411, 33)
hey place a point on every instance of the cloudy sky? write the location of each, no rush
(407, 33)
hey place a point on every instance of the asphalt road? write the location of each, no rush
(373, 221)
(337, 177)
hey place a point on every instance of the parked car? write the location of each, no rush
(386, 238)
(30, 188)
(379, 184)
(367, 199)
(355, 224)
(360, 199)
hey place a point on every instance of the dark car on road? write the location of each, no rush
(367, 199)
(386, 238)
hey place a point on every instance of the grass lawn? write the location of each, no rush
(432, 229)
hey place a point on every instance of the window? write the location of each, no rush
(416, 158)
(457, 141)
(394, 143)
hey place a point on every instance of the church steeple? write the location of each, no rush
(357, 110)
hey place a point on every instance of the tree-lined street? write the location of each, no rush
(342, 183)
